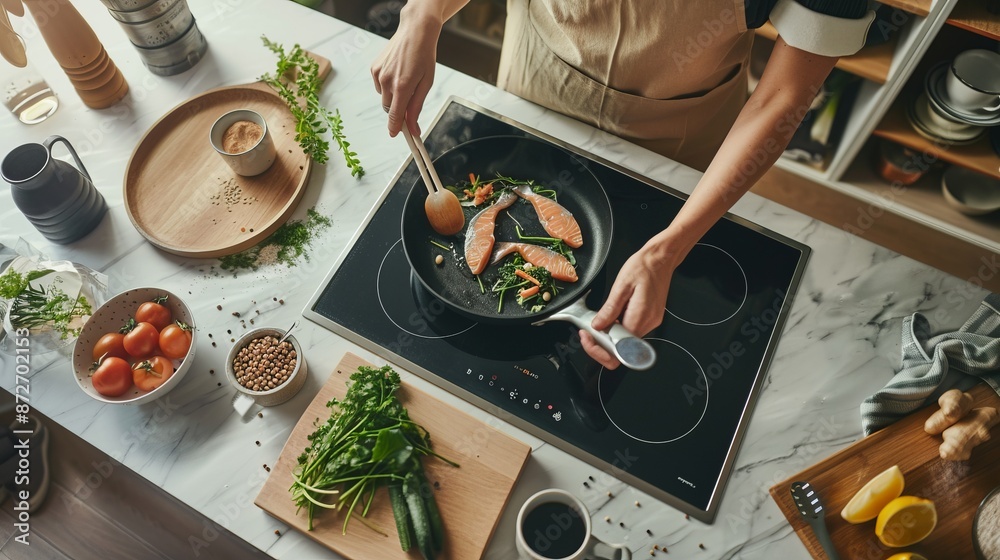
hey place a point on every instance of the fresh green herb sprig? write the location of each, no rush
(508, 280)
(367, 442)
(33, 307)
(313, 120)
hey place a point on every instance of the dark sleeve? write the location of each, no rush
(758, 11)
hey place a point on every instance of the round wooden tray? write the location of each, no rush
(186, 200)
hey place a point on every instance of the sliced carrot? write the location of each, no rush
(472, 178)
(526, 276)
(528, 292)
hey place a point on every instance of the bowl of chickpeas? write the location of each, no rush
(266, 369)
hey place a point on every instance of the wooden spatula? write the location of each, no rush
(15, 7)
(11, 46)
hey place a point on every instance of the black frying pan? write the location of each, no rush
(578, 191)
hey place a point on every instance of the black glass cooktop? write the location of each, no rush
(673, 431)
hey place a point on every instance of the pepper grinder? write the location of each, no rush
(98, 81)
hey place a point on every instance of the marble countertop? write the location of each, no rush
(839, 345)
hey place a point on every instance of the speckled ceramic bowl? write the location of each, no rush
(282, 392)
(990, 528)
(109, 318)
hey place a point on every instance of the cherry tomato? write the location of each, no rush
(113, 377)
(142, 340)
(111, 345)
(154, 313)
(150, 374)
(175, 340)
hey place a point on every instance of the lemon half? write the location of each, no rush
(905, 521)
(873, 496)
(906, 556)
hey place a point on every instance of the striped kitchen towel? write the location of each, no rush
(974, 349)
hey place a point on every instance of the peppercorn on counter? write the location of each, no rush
(839, 346)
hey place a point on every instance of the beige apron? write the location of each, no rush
(669, 75)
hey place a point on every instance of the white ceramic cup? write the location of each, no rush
(973, 82)
(256, 159)
(538, 541)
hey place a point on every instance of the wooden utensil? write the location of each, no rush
(443, 209)
(11, 46)
(207, 210)
(955, 487)
(471, 497)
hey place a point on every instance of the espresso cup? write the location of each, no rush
(249, 158)
(554, 525)
(973, 82)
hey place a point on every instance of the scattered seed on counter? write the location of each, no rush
(219, 307)
(260, 415)
(211, 372)
(275, 299)
(277, 532)
(701, 546)
(236, 313)
(686, 516)
(219, 384)
(209, 335)
(648, 532)
(251, 321)
(621, 524)
(607, 519)
(258, 443)
(591, 478)
(610, 495)
(637, 503)
(232, 340)
(229, 331)
(585, 484)
(281, 302)
(652, 552)
(655, 546)
(263, 364)
(213, 344)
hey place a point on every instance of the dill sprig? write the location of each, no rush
(313, 120)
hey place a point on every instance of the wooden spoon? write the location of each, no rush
(11, 46)
(442, 207)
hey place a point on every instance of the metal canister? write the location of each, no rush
(163, 31)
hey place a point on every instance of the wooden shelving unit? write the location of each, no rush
(978, 156)
(973, 16)
(921, 201)
(916, 7)
(872, 63)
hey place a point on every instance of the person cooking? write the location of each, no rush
(668, 75)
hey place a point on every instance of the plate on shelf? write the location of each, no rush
(183, 198)
(934, 85)
(918, 113)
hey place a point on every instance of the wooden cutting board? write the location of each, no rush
(470, 497)
(957, 488)
(183, 197)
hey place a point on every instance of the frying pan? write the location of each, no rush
(578, 190)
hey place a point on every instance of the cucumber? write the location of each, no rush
(433, 514)
(401, 515)
(418, 516)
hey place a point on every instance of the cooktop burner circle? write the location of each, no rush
(714, 286)
(408, 306)
(660, 405)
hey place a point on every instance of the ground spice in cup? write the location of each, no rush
(988, 528)
(263, 364)
(241, 136)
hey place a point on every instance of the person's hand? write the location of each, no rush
(638, 298)
(404, 71)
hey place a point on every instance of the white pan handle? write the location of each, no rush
(632, 351)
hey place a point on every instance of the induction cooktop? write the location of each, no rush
(672, 431)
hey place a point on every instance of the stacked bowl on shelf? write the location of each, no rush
(961, 99)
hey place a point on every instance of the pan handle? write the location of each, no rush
(632, 351)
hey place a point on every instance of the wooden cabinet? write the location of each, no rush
(930, 33)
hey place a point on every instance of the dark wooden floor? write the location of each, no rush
(99, 509)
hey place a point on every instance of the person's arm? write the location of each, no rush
(790, 82)
(404, 71)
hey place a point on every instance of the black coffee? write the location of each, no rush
(554, 530)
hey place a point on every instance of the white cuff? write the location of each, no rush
(818, 33)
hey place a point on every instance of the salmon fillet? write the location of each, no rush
(557, 221)
(556, 264)
(479, 237)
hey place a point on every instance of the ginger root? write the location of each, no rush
(961, 426)
(954, 406)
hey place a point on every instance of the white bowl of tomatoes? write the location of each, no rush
(135, 348)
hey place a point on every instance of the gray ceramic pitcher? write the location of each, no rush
(58, 199)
